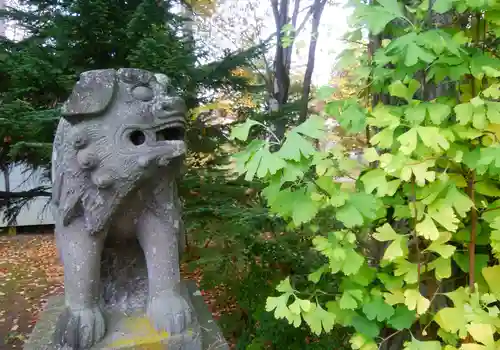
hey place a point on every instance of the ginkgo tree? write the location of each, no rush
(410, 248)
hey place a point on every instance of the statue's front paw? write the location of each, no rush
(169, 312)
(80, 329)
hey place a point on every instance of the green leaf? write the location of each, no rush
(464, 113)
(376, 180)
(241, 131)
(377, 17)
(493, 112)
(406, 269)
(366, 327)
(295, 146)
(460, 201)
(325, 92)
(351, 299)
(253, 164)
(432, 138)
(378, 309)
(269, 163)
(353, 262)
(415, 53)
(403, 318)
(316, 275)
(244, 156)
(285, 286)
(408, 141)
(319, 319)
(399, 89)
(438, 112)
(443, 6)
(416, 114)
(420, 170)
(352, 119)
(385, 233)
(313, 127)
(444, 215)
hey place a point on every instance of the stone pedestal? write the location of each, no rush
(134, 332)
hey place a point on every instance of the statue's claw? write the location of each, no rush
(169, 312)
(80, 329)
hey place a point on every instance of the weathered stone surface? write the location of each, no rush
(116, 159)
(134, 331)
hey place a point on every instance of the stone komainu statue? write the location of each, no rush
(116, 156)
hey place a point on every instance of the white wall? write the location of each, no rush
(37, 212)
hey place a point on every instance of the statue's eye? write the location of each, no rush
(143, 93)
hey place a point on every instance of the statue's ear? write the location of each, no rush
(91, 95)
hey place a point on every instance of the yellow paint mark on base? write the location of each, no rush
(11, 231)
(150, 338)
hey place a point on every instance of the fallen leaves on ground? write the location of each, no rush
(31, 272)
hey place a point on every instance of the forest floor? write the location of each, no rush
(30, 272)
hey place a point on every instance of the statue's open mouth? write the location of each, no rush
(171, 133)
(174, 130)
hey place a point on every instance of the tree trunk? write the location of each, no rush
(317, 10)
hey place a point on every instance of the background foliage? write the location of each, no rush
(415, 260)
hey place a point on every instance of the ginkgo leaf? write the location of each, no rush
(408, 270)
(439, 246)
(284, 286)
(403, 318)
(422, 345)
(464, 113)
(378, 309)
(415, 301)
(452, 319)
(408, 141)
(482, 333)
(441, 267)
(444, 216)
(241, 131)
(385, 233)
(399, 246)
(432, 138)
(459, 200)
(492, 276)
(319, 319)
(313, 127)
(351, 299)
(361, 342)
(420, 170)
(438, 112)
(279, 305)
(427, 229)
(294, 147)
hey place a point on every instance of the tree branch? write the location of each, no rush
(36, 192)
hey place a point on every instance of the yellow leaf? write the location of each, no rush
(482, 333)
(427, 229)
(415, 301)
(492, 276)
